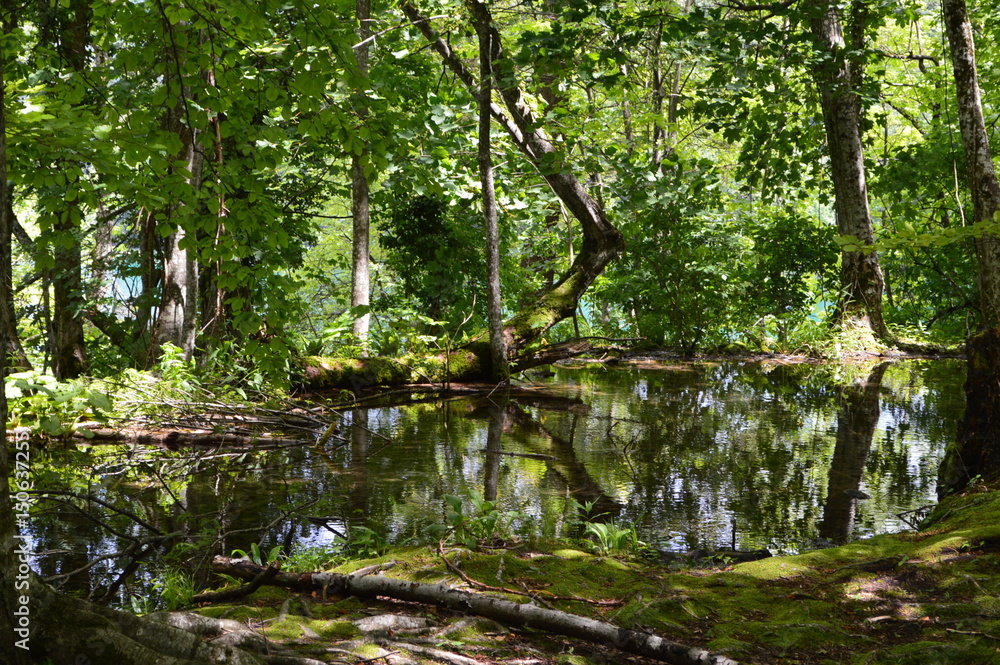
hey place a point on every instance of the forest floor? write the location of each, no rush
(925, 597)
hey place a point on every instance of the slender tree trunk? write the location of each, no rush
(861, 278)
(14, 354)
(499, 338)
(151, 276)
(69, 357)
(976, 452)
(360, 260)
(978, 157)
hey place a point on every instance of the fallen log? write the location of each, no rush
(498, 609)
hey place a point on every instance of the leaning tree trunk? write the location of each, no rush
(861, 278)
(977, 449)
(601, 243)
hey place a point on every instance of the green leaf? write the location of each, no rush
(51, 425)
(99, 400)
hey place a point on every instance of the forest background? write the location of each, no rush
(248, 186)
(183, 175)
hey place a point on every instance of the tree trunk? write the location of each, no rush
(978, 157)
(498, 336)
(11, 348)
(860, 274)
(69, 355)
(360, 260)
(602, 242)
(177, 320)
(179, 299)
(976, 452)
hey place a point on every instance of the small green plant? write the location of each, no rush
(257, 556)
(609, 538)
(46, 405)
(176, 373)
(364, 543)
(176, 589)
(485, 522)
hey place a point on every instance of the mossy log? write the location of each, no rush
(498, 609)
(470, 363)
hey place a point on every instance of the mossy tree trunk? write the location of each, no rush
(601, 241)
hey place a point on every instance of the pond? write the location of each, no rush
(748, 455)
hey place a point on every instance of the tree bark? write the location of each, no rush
(978, 157)
(11, 348)
(360, 259)
(861, 278)
(178, 315)
(499, 338)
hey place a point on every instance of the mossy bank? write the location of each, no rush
(927, 597)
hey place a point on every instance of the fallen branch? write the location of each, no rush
(241, 592)
(505, 611)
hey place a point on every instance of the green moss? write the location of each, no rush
(335, 630)
(932, 653)
(812, 608)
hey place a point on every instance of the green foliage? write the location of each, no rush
(175, 373)
(258, 557)
(609, 538)
(486, 521)
(434, 248)
(176, 588)
(51, 407)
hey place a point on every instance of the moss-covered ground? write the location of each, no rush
(929, 597)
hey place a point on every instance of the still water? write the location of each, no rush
(713, 454)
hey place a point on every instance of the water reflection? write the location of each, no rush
(857, 418)
(703, 455)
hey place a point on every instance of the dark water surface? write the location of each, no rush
(708, 455)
